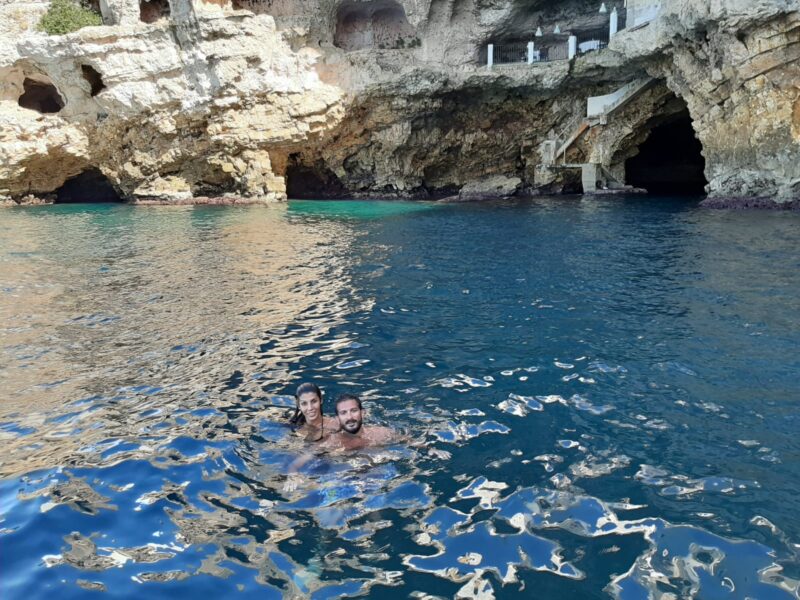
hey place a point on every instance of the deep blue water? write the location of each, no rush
(616, 380)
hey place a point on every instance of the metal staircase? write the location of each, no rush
(557, 147)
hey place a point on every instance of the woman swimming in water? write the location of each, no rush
(308, 419)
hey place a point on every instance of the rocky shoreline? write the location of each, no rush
(745, 204)
(195, 201)
(750, 204)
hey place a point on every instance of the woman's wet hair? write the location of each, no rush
(298, 419)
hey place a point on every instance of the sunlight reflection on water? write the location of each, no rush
(593, 367)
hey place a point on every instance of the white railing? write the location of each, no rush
(599, 105)
(557, 147)
(528, 53)
(589, 45)
(510, 53)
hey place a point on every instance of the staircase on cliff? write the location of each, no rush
(595, 177)
(599, 108)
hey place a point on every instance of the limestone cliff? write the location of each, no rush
(177, 100)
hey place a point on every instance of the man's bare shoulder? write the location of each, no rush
(331, 424)
(369, 436)
(378, 434)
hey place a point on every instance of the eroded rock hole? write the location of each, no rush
(150, 12)
(94, 78)
(317, 182)
(91, 186)
(378, 24)
(41, 96)
(670, 160)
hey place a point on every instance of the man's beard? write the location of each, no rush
(352, 426)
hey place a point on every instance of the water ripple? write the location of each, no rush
(612, 422)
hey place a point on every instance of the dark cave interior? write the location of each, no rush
(41, 96)
(670, 160)
(304, 182)
(91, 186)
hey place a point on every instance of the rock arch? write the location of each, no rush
(651, 143)
(311, 180)
(376, 24)
(669, 160)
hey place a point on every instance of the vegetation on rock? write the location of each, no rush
(66, 16)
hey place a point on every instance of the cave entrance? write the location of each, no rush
(40, 95)
(670, 160)
(305, 182)
(93, 78)
(91, 186)
(150, 12)
(378, 24)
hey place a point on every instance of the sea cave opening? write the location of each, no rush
(91, 186)
(670, 160)
(306, 182)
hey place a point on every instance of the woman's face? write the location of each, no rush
(311, 407)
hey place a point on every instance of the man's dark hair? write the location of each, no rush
(345, 398)
(297, 419)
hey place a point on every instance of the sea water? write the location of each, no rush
(616, 382)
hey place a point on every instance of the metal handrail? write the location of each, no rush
(565, 134)
(517, 53)
(602, 43)
(510, 53)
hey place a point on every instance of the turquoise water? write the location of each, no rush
(616, 381)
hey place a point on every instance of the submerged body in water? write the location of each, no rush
(614, 381)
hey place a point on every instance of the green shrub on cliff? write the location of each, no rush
(66, 16)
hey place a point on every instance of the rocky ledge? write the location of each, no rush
(750, 203)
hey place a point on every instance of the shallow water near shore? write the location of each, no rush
(616, 380)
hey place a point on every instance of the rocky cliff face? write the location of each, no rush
(177, 100)
(740, 77)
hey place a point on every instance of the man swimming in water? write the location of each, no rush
(350, 434)
(354, 434)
